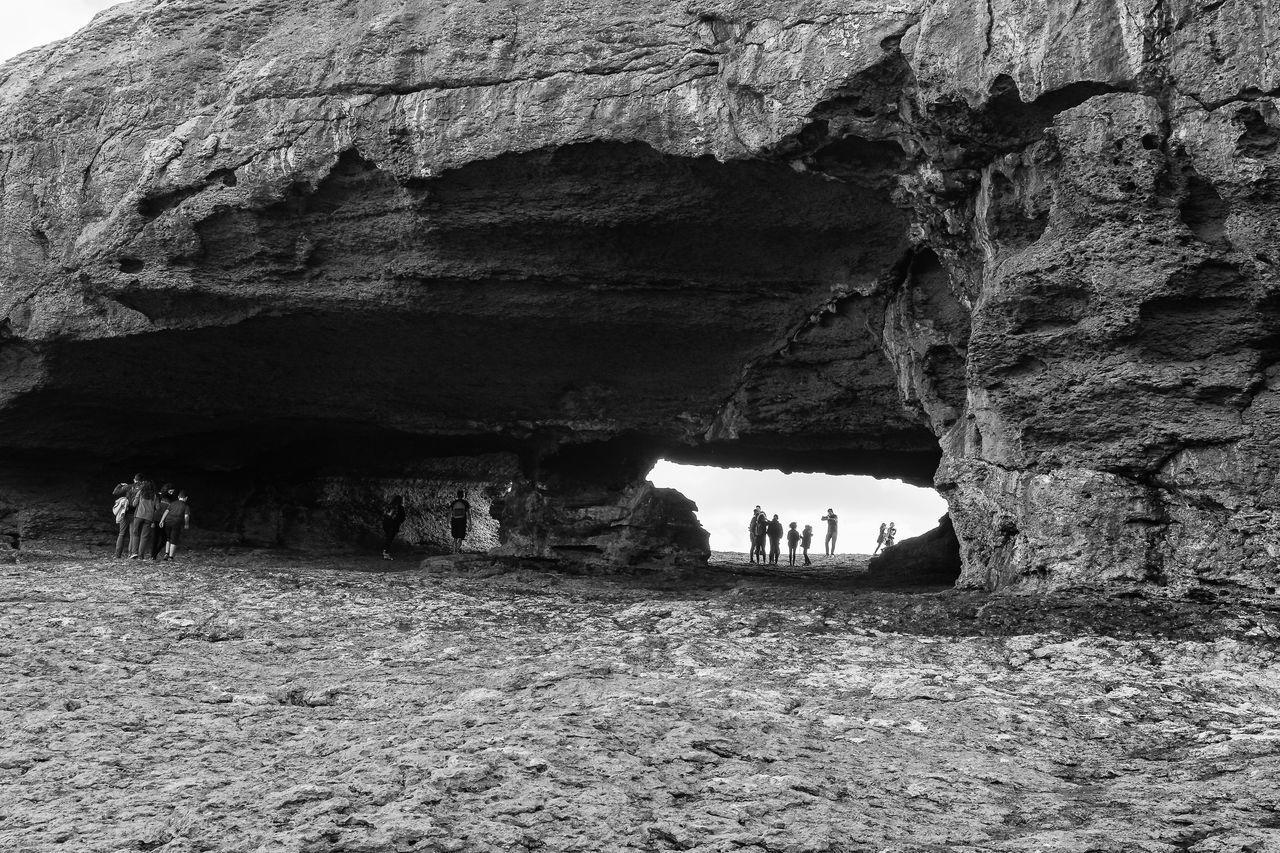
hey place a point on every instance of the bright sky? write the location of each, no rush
(25, 24)
(726, 496)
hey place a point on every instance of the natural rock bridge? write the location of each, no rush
(298, 251)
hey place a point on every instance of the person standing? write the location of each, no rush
(125, 495)
(879, 540)
(143, 526)
(775, 540)
(163, 498)
(793, 539)
(890, 535)
(751, 536)
(761, 531)
(806, 540)
(459, 520)
(392, 518)
(176, 518)
(829, 544)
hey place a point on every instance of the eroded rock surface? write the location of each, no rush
(242, 704)
(1036, 244)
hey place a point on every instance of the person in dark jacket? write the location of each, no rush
(165, 496)
(145, 513)
(176, 518)
(459, 520)
(751, 535)
(775, 540)
(793, 539)
(392, 518)
(806, 540)
(761, 531)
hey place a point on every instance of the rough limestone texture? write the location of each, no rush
(1027, 251)
(299, 706)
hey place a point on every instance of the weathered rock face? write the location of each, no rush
(324, 239)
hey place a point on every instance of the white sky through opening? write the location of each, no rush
(24, 25)
(726, 496)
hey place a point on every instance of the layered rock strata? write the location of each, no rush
(1027, 252)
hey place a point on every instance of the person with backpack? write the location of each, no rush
(459, 520)
(176, 518)
(122, 511)
(806, 539)
(793, 539)
(145, 513)
(775, 540)
(392, 518)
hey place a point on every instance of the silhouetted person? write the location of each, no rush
(751, 535)
(761, 531)
(879, 540)
(459, 520)
(806, 539)
(890, 535)
(145, 513)
(392, 518)
(176, 518)
(829, 544)
(775, 540)
(793, 539)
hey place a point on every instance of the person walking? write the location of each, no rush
(392, 518)
(829, 544)
(459, 520)
(879, 540)
(793, 539)
(176, 518)
(806, 540)
(775, 540)
(143, 526)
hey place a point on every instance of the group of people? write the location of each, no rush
(393, 516)
(763, 528)
(887, 535)
(151, 519)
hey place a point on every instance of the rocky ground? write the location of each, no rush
(253, 701)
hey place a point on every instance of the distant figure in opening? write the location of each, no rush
(459, 520)
(761, 531)
(793, 539)
(125, 497)
(392, 518)
(775, 540)
(751, 535)
(163, 498)
(879, 540)
(176, 518)
(829, 544)
(806, 540)
(890, 535)
(145, 508)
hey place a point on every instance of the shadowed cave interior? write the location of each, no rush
(558, 319)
